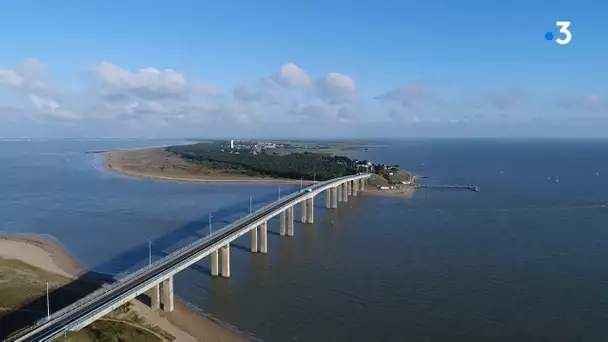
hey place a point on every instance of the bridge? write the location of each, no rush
(156, 279)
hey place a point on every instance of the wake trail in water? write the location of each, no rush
(97, 162)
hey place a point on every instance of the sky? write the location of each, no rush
(302, 69)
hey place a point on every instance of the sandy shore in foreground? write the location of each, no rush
(159, 164)
(40, 252)
(185, 324)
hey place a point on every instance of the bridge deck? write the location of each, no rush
(97, 304)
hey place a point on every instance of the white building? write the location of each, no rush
(231, 144)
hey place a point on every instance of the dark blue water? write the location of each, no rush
(53, 187)
(523, 259)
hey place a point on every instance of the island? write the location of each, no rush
(30, 265)
(257, 162)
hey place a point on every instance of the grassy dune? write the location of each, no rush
(22, 286)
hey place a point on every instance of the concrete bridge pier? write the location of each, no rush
(215, 264)
(290, 229)
(226, 261)
(168, 298)
(154, 294)
(355, 187)
(328, 198)
(264, 237)
(303, 211)
(334, 197)
(345, 190)
(254, 239)
(340, 192)
(349, 188)
(311, 210)
(282, 224)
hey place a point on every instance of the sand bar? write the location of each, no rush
(405, 192)
(158, 163)
(40, 252)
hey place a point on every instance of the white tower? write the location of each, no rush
(231, 144)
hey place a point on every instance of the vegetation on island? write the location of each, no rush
(264, 163)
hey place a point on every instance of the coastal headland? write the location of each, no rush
(256, 163)
(29, 262)
(160, 164)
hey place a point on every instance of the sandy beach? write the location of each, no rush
(185, 324)
(40, 252)
(407, 192)
(157, 163)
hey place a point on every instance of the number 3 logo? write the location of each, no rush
(563, 25)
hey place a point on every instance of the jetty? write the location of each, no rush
(474, 188)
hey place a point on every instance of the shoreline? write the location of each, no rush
(185, 323)
(142, 163)
(40, 251)
(121, 162)
(407, 193)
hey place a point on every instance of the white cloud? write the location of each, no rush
(416, 103)
(51, 108)
(325, 113)
(336, 88)
(115, 93)
(28, 77)
(10, 77)
(32, 68)
(408, 95)
(117, 98)
(404, 114)
(590, 101)
(275, 89)
(150, 94)
(316, 112)
(506, 99)
(146, 83)
(291, 75)
(244, 94)
(26, 74)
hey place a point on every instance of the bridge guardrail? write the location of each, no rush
(158, 262)
(176, 253)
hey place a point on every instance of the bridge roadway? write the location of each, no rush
(86, 310)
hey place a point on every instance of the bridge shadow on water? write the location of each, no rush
(127, 261)
(133, 259)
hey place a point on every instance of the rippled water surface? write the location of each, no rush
(523, 259)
